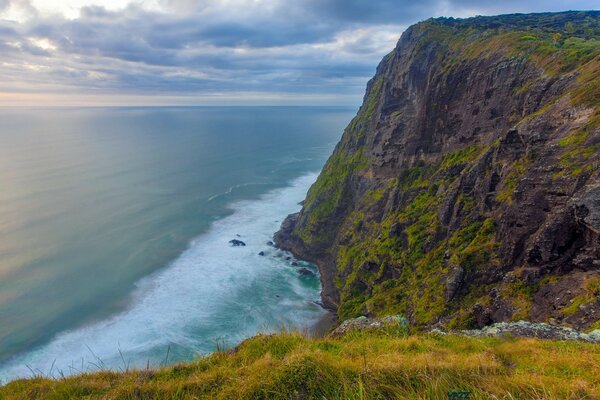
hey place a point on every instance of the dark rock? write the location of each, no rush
(453, 282)
(482, 315)
(587, 208)
(294, 264)
(369, 266)
(235, 242)
(269, 243)
(287, 227)
(261, 253)
(306, 272)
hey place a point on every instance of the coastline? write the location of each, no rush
(283, 241)
(324, 325)
(265, 286)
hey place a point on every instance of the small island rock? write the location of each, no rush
(305, 272)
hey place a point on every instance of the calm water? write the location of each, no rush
(114, 230)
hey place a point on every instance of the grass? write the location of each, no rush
(590, 294)
(361, 365)
(517, 171)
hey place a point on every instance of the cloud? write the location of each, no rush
(211, 48)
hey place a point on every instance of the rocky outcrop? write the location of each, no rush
(466, 190)
(534, 330)
(363, 323)
(519, 329)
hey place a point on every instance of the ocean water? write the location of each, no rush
(115, 223)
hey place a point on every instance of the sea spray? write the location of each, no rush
(212, 295)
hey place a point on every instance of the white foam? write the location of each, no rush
(211, 292)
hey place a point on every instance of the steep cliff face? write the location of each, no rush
(466, 190)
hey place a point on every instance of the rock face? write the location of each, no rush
(466, 190)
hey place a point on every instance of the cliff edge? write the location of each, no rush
(466, 190)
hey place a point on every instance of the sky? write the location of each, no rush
(203, 52)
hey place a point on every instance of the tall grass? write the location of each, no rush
(360, 365)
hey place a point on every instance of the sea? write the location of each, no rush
(115, 230)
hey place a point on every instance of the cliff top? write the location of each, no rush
(385, 363)
(578, 22)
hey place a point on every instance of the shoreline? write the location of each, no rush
(324, 325)
(174, 290)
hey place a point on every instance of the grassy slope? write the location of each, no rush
(384, 364)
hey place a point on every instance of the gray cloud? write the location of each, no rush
(194, 47)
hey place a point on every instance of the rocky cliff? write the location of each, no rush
(466, 190)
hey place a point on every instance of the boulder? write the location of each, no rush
(370, 324)
(534, 330)
(305, 272)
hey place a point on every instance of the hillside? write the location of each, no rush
(383, 364)
(466, 190)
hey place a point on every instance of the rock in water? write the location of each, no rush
(235, 242)
(305, 272)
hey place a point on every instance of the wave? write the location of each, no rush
(213, 293)
(233, 188)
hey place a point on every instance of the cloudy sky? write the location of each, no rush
(111, 52)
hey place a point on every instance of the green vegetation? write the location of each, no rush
(577, 155)
(361, 365)
(406, 243)
(559, 43)
(395, 250)
(328, 192)
(517, 171)
(459, 157)
(590, 295)
(400, 264)
(373, 97)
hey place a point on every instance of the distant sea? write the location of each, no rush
(115, 226)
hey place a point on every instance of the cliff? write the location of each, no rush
(466, 190)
